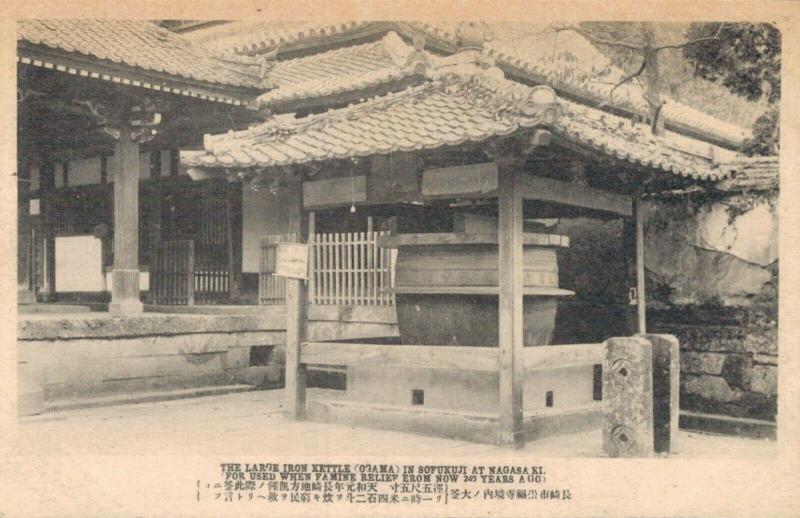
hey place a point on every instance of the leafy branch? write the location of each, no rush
(649, 65)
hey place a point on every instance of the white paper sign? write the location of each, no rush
(291, 260)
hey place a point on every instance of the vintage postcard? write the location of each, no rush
(372, 259)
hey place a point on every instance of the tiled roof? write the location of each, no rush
(751, 173)
(134, 43)
(342, 70)
(243, 37)
(459, 104)
(566, 61)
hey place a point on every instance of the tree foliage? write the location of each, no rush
(746, 59)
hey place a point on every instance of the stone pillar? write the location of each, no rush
(628, 397)
(666, 390)
(125, 275)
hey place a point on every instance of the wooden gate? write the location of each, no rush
(172, 273)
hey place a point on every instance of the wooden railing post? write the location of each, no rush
(190, 274)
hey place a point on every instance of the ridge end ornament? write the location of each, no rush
(541, 103)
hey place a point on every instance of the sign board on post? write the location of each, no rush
(291, 260)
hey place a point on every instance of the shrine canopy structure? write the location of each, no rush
(464, 136)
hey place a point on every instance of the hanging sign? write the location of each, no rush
(291, 260)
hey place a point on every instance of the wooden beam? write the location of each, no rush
(546, 189)
(640, 278)
(346, 190)
(511, 364)
(478, 179)
(422, 356)
(455, 238)
(561, 356)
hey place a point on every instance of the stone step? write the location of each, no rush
(726, 425)
(143, 397)
(29, 309)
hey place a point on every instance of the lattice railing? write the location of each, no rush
(346, 268)
(349, 268)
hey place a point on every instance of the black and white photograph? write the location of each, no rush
(304, 250)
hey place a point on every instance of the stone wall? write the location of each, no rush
(713, 267)
(712, 278)
(729, 358)
(93, 355)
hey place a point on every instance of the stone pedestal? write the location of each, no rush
(125, 294)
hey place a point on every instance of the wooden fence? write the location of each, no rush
(346, 268)
(172, 273)
(349, 268)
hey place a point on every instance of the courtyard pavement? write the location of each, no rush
(228, 424)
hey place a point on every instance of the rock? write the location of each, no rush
(694, 270)
(751, 235)
(764, 379)
(702, 363)
(762, 340)
(737, 370)
(713, 388)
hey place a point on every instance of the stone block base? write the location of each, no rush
(128, 308)
(125, 294)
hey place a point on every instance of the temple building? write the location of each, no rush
(159, 164)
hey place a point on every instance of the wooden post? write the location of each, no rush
(24, 256)
(47, 185)
(229, 223)
(296, 324)
(190, 274)
(312, 264)
(296, 313)
(511, 364)
(628, 253)
(125, 275)
(640, 294)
